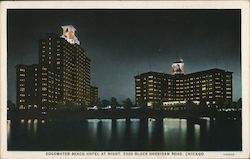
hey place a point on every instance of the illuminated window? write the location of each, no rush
(22, 89)
(21, 69)
(44, 100)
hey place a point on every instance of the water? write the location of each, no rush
(106, 134)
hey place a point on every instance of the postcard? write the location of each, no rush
(116, 79)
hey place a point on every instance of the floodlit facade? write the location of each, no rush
(28, 86)
(150, 88)
(64, 72)
(212, 86)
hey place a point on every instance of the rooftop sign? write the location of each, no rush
(69, 34)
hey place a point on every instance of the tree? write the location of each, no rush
(239, 103)
(113, 103)
(220, 103)
(73, 106)
(105, 103)
(203, 104)
(127, 103)
(11, 105)
(61, 106)
(98, 103)
(157, 105)
(142, 103)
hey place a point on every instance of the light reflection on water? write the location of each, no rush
(119, 134)
(175, 129)
(120, 127)
(197, 135)
(8, 129)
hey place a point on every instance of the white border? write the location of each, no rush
(243, 5)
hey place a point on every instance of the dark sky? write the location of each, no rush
(124, 43)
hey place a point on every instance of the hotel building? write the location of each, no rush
(93, 95)
(62, 75)
(211, 86)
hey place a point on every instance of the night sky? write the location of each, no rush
(124, 43)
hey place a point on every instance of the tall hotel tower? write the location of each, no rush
(62, 75)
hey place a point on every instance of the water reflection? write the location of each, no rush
(123, 134)
(8, 129)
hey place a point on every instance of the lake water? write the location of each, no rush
(120, 134)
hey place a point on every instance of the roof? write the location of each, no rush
(152, 73)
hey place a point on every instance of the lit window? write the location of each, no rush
(44, 100)
(22, 89)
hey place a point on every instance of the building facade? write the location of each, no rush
(63, 72)
(150, 88)
(211, 86)
(93, 95)
(28, 87)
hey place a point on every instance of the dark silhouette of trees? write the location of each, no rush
(70, 106)
(239, 103)
(61, 106)
(11, 106)
(156, 106)
(127, 103)
(98, 103)
(113, 103)
(142, 103)
(105, 103)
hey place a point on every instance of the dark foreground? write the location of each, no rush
(120, 134)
